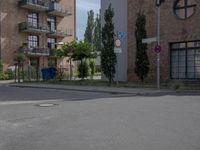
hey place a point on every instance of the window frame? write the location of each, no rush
(33, 19)
(52, 24)
(184, 8)
(187, 49)
(33, 41)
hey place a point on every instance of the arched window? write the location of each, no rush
(184, 8)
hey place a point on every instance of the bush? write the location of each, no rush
(83, 70)
(4, 76)
(10, 74)
(92, 68)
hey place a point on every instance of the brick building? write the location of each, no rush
(35, 27)
(180, 37)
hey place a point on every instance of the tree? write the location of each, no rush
(142, 60)
(88, 36)
(20, 58)
(108, 57)
(97, 34)
(82, 51)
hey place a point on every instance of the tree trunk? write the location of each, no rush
(18, 72)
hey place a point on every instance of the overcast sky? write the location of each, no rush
(83, 6)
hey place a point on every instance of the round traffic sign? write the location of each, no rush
(117, 43)
(157, 49)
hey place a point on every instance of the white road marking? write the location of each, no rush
(29, 102)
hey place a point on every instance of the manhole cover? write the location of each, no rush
(47, 105)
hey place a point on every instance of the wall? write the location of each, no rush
(120, 23)
(172, 30)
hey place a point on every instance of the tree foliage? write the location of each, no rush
(88, 36)
(97, 34)
(108, 57)
(142, 61)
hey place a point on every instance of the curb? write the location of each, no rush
(158, 93)
(70, 89)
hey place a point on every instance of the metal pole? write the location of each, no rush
(158, 42)
(0, 28)
(117, 64)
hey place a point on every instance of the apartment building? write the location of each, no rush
(180, 38)
(35, 27)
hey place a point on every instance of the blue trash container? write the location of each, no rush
(48, 73)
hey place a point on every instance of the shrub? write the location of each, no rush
(4, 76)
(83, 70)
(10, 74)
(92, 68)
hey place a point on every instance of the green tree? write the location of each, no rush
(20, 58)
(83, 70)
(88, 36)
(82, 51)
(108, 57)
(142, 60)
(97, 34)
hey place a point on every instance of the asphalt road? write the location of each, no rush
(29, 94)
(101, 123)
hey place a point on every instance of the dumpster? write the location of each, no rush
(48, 73)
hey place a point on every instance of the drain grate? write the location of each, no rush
(47, 105)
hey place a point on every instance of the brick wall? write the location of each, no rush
(12, 39)
(173, 29)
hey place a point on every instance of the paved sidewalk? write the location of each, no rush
(113, 90)
(6, 81)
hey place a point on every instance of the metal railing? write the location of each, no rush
(29, 27)
(56, 9)
(37, 51)
(34, 4)
(58, 33)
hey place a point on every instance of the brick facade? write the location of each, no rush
(12, 38)
(173, 29)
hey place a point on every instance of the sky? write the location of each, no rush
(83, 6)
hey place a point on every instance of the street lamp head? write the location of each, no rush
(159, 2)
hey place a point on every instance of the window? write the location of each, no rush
(33, 19)
(51, 43)
(51, 21)
(33, 41)
(184, 8)
(185, 60)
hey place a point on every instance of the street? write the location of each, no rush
(97, 121)
(19, 94)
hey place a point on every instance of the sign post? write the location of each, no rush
(158, 43)
(117, 51)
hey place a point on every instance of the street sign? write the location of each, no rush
(122, 35)
(149, 40)
(117, 50)
(157, 49)
(117, 43)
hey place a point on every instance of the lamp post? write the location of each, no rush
(158, 43)
(158, 4)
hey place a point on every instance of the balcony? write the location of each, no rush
(59, 33)
(37, 51)
(36, 5)
(56, 10)
(29, 28)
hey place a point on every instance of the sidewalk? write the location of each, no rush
(101, 89)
